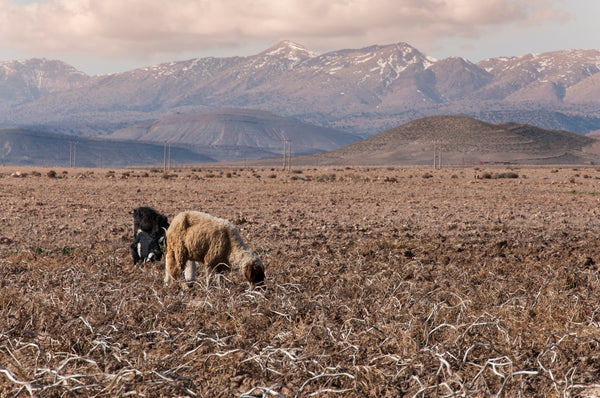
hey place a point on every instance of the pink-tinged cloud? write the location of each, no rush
(120, 28)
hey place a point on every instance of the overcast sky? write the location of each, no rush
(107, 36)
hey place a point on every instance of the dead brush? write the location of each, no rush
(382, 323)
(377, 303)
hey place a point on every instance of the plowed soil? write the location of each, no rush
(381, 282)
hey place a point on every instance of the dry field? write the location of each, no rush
(381, 282)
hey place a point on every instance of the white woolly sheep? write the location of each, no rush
(196, 236)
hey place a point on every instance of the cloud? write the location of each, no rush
(134, 28)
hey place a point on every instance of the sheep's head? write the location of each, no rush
(255, 272)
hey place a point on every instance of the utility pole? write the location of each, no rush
(286, 148)
(165, 158)
(437, 154)
(72, 154)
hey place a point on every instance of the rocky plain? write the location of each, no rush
(381, 282)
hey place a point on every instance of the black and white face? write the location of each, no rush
(147, 248)
(155, 252)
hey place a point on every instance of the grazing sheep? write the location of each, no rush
(154, 226)
(195, 236)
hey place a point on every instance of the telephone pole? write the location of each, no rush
(287, 154)
(72, 154)
(165, 158)
(437, 154)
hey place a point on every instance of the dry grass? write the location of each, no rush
(380, 284)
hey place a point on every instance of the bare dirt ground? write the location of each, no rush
(380, 283)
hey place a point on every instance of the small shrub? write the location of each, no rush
(508, 174)
(427, 175)
(51, 174)
(326, 177)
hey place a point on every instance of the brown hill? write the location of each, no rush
(464, 141)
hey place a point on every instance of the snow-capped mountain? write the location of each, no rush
(28, 80)
(540, 77)
(362, 91)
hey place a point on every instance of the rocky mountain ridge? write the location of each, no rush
(363, 91)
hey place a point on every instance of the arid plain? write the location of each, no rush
(381, 282)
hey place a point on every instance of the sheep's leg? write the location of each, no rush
(190, 271)
(172, 267)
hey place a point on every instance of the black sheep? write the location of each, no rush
(152, 222)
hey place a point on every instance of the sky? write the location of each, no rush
(109, 36)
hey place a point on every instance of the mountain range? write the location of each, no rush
(358, 91)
